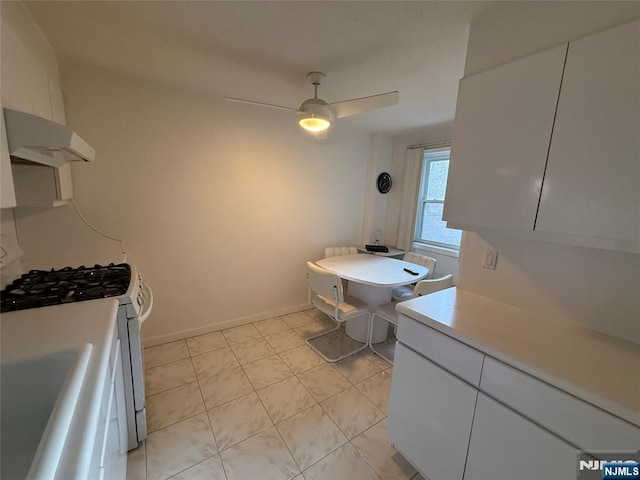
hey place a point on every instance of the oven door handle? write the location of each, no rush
(148, 303)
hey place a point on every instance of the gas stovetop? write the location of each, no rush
(41, 288)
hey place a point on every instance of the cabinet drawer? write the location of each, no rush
(455, 356)
(574, 420)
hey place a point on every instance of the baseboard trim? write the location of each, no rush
(214, 327)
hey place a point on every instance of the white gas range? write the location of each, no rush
(43, 287)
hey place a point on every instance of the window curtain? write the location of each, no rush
(409, 202)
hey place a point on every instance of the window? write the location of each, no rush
(430, 228)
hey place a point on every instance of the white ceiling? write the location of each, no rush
(262, 50)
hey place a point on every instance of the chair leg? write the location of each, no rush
(371, 339)
(341, 357)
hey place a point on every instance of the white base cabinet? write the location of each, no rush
(436, 440)
(507, 446)
(508, 426)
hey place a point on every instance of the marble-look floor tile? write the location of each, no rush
(252, 350)
(263, 456)
(224, 387)
(356, 368)
(315, 328)
(301, 359)
(310, 435)
(377, 388)
(377, 360)
(169, 407)
(214, 362)
(206, 343)
(271, 326)
(323, 382)
(180, 446)
(297, 319)
(285, 398)
(241, 334)
(352, 412)
(343, 464)
(137, 463)
(335, 345)
(318, 315)
(374, 445)
(164, 377)
(387, 350)
(238, 420)
(267, 371)
(209, 469)
(167, 353)
(285, 340)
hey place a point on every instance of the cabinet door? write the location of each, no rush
(592, 183)
(507, 446)
(430, 415)
(7, 191)
(502, 130)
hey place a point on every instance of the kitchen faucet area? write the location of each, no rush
(355, 240)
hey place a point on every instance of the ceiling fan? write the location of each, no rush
(315, 115)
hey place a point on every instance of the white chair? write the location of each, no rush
(336, 251)
(327, 295)
(404, 292)
(388, 311)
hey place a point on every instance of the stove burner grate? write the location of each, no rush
(41, 288)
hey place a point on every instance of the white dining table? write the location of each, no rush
(371, 279)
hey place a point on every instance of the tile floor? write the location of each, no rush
(255, 403)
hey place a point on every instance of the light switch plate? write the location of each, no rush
(490, 259)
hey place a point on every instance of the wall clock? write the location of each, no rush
(384, 182)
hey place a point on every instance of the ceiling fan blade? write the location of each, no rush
(364, 104)
(260, 104)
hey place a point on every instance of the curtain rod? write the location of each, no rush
(427, 146)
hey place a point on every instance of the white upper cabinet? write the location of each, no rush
(592, 182)
(550, 144)
(7, 190)
(504, 119)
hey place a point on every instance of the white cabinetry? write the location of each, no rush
(505, 445)
(29, 84)
(592, 182)
(435, 440)
(109, 459)
(504, 119)
(544, 145)
(457, 413)
(7, 191)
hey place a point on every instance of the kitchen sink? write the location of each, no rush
(38, 400)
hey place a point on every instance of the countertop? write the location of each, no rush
(40, 331)
(598, 368)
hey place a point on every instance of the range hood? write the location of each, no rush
(43, 141)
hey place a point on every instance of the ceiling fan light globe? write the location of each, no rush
(314, 124)
(315, 116)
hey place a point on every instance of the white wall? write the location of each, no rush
(375, 206)
(447, 263)
(595, 288)
(219, 204)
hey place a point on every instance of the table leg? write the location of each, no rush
(373, 296)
